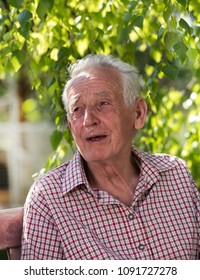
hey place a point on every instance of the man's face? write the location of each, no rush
(101, 124)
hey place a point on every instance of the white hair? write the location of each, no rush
(129, 77)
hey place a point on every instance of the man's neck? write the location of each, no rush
(119, 180)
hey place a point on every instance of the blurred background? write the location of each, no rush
(24, 144)
(39, 38)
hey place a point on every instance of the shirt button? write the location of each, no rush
(131, 216)
(141, 247)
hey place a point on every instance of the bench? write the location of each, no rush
(11, 222)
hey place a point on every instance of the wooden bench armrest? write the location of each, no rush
(11, 223)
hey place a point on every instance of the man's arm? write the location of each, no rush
(197, 208)
(40, 239)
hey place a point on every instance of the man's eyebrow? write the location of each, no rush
(102, 94)
(74, 99)
(77, 97)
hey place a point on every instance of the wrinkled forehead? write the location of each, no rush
(82, 78)
(102, 78)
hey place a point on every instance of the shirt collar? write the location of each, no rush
(75, 174)
(156, 162)
(151, 166)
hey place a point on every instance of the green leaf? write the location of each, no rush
(170, 71)
(181, 50)
(63, 52)
(7, 36)
(183, 2)
(167, 14)
(138, 21)
(50, 82)
(19, 54)
(16, 3)
(15, 63)
(24, 17)
(185, 25)
(67, 135)
(123, 36)
(56, 138)
(173, 23)
(132, 5)
(198, 73)
(192, 55)
(170, 39)
(160, 32)
(127, 17)
(44, 7)
(24, 30)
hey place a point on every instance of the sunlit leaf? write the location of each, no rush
(15, 63)
(192, 56)
(181, 50)
(7, 36)
(30, 110)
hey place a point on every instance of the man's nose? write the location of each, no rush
(91, 116)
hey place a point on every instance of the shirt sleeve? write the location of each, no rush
(193, 192)
(196, 197)
(198, 216)
(40, 238)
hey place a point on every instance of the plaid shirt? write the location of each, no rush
(65, 219)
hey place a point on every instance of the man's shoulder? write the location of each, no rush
(160, 161)
(167, 158)
(49, 182)
(55, 174)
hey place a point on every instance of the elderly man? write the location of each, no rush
(111, 201)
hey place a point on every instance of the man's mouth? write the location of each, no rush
(96, 138)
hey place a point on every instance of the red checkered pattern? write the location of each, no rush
(66, 219)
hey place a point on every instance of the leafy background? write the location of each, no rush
(39, 38)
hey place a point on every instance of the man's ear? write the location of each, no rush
(140, 109)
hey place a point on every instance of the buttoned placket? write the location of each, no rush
(133, 219)
(131, 215)
(142, 245)
(144, 248)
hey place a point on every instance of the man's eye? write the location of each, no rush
(77, 109)
(104, 103)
